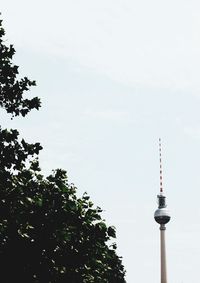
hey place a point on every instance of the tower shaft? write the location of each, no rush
(163, 264)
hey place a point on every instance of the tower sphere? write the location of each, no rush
(162, 215)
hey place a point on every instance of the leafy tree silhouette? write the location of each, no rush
(47, 233)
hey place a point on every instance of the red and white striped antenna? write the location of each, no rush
(160, 158)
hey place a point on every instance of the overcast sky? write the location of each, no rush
(114, 76)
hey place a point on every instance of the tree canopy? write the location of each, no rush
(12, 90)
(47, 233)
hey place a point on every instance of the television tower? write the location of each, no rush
(162, 217)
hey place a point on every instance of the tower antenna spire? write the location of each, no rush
(160, 159)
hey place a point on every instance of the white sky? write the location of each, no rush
(114, 76)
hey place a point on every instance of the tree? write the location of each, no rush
(47, 233)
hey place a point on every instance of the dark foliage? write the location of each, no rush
(47, 233)
(11, 89)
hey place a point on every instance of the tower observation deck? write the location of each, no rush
(162, 215)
